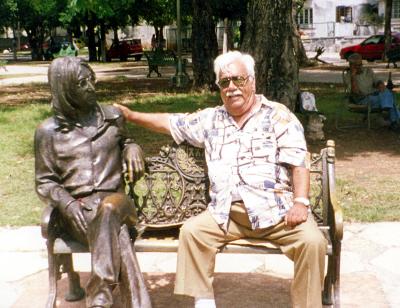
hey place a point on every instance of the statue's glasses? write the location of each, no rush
(85, 82)
(238, 81)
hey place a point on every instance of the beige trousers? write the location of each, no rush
(200, 238)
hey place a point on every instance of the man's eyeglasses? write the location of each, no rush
(238, 81)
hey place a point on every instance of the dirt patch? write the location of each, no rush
(23, 94)
(360, 151)
(115, 90)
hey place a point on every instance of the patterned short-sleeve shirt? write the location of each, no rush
(250, 163)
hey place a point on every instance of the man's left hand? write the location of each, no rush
(296, 215)
(133, 161)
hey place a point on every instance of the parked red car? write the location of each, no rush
(371, 48)
(125, 49)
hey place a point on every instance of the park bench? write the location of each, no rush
(174, 188)
(163, 58)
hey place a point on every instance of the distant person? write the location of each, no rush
(80, 153)
(362, 86)
(153, 42)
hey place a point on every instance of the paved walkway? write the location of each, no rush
(370, 272)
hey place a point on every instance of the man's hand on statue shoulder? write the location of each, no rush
(73, 212)
(296, 215)
(133, 161)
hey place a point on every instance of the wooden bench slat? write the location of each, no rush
(170, 244)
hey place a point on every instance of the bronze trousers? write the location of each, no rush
(113, 257)
(200, 238)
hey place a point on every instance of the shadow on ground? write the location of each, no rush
(234, 290)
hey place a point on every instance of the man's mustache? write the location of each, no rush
(236, 92)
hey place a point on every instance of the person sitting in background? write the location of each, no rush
(361, 83)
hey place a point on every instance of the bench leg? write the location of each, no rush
(327, 293)
(332, 279)
(53, 270)
(336, 281)
(156, 70)
(75, 292)
(153, 68)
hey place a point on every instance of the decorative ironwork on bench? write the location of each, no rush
(174, 187)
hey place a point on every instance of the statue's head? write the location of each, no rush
(72, 85)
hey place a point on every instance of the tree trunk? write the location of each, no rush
(299, 50)
(388, 21)
(268, 38)
(242, 29)
(301, 54)
(103, 41)
(231, 36)
(14, 45)
(91, 40)
(204, 45)
(36, 45)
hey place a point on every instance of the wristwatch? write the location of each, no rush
(303, 200)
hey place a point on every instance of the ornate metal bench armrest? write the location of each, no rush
(50, 224)
(336, 221)
(46, 221)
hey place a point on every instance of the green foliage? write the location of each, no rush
(158, 13)
(39, 15)
(231, 9)
(8, 11)
(103, 10)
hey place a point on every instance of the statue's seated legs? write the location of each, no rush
(112, 254)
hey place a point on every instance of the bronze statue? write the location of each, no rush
(81, 153)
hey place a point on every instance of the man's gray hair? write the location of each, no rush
(222, 61)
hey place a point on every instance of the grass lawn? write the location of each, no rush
(369, 196)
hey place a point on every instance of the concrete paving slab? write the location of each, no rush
(28, 264)
(387, 259)
(21, 239)
(386, 234)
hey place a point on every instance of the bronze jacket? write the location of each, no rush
(69, 164)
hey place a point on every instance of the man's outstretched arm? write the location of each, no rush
(158, 122)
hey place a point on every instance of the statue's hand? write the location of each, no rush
(73, 212)
(133, 161)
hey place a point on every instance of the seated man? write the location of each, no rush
(362, 84)
(79, 166)
(259, 183)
